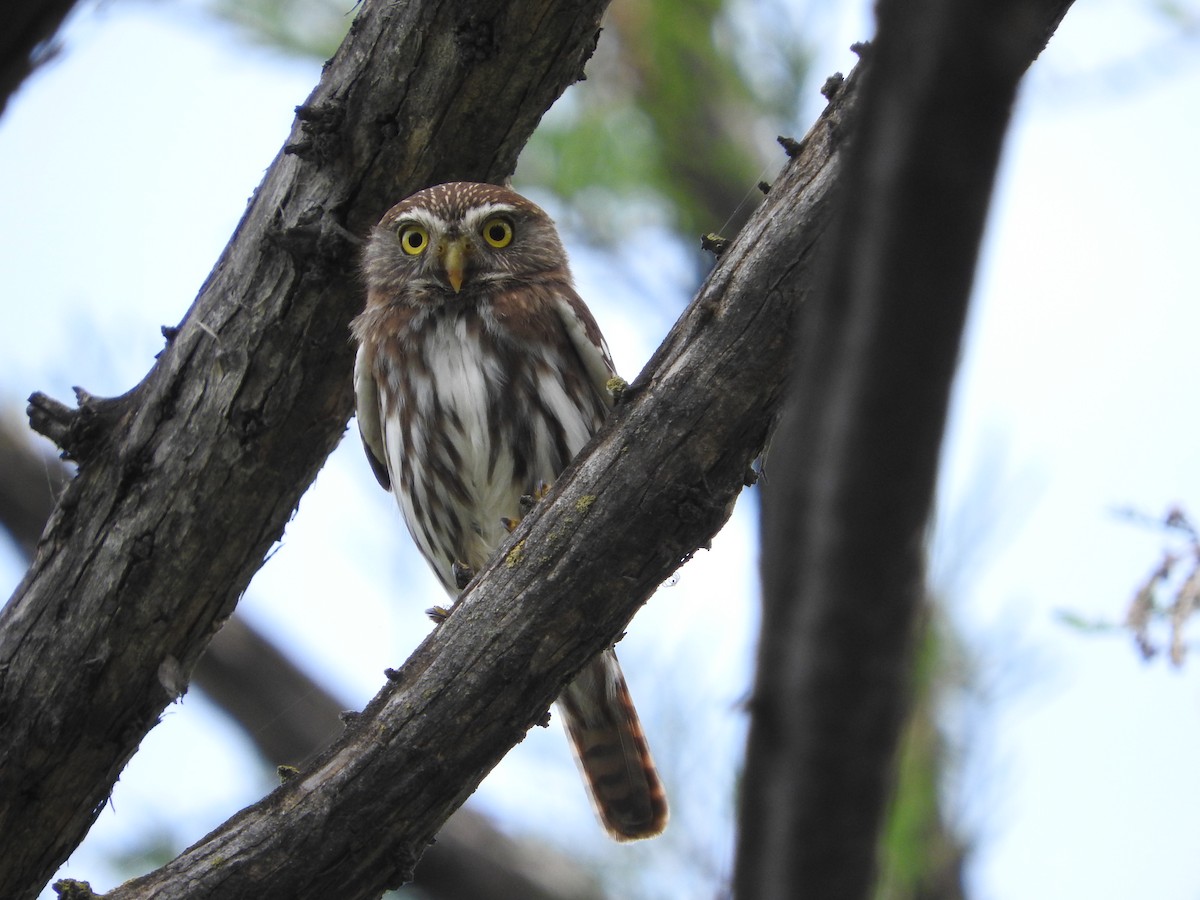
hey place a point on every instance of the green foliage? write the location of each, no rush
(670, 126)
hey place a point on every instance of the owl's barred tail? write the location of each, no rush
(607, 738)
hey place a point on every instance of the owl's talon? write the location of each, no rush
(527, 501)
(462, 574)
(438, 614)
(510, 525)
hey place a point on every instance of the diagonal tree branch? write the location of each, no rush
(186, 481)
(845, 513)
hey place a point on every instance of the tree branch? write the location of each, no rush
(27, 28)
(563, 587)
(194, 473)
(846, 509)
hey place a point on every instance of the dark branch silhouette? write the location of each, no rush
(854, 462)
(27, 30)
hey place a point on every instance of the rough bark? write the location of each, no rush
(853, 465)
(564, 586)
(186, 481)
(291, 718)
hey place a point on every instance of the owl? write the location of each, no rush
(480, 373)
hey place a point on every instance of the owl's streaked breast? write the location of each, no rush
(482, 419)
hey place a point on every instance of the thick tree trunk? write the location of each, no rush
(854, 463)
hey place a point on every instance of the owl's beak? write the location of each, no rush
(454, 261)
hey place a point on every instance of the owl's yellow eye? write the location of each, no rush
(498, 232)
(413, 238)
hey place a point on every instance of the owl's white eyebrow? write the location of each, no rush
(479, 214)
(423, 217)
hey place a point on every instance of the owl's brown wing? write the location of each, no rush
(366, 403)
(587, 340)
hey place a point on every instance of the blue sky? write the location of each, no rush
(129, 162)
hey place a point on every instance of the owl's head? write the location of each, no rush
(461, 238)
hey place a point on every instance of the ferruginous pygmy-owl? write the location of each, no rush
(480, 374)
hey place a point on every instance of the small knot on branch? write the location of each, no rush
(832, 85)
(476, 39)
(317, 239)
(617, 388)
(321, 128)
(791, 146)
(70, 889)
(586, 55)
(80, 432)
